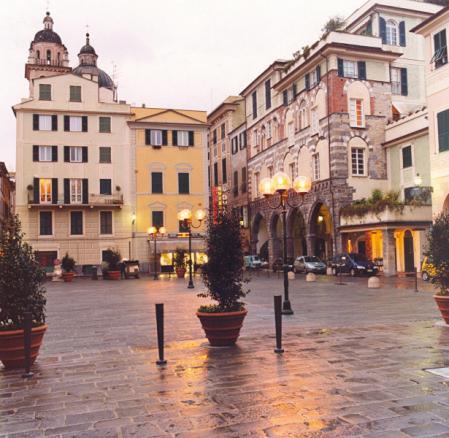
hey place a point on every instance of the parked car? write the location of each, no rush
(308, 264)
(428, 271)
(252, 262)
(278, 264)
(131, 268)
(353, 264)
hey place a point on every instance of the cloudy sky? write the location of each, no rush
(171, 53)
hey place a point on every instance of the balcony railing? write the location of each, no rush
(51, 62)
(94, 200)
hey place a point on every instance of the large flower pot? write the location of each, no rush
(114, 275)
(443, 305)
(68, 276)
(12, 352)
(180, 272)
(222, 329)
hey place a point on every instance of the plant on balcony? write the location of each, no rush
(223, 278)
(21, 290)
(179, 262)
(68, 268)
(377, 203)
(112, 259)
(438, 252)
(333, 24)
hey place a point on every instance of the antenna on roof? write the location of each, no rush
(114, 73)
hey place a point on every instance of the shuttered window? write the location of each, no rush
(440, 49)
(105, 222)
(44, 92)
(183, 183)
(76, 223)
(407, 157)
(268, 94)
(443, 130)
(105, 124)
(157, 219)
(156, 182)
(105, 154)
(75, 93)
(254, 102)
(45, 223)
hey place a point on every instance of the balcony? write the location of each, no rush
(109, 201)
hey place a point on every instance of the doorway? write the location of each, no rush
(409, 254)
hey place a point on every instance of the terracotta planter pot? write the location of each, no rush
(12, 352)
(181, 272)
(114, 275)
(68, 276)
(222, 329)
(443, 305)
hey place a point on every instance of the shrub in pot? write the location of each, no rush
(179, 262)
(223, 278)
(439, 254)
(21, 290)
(112, 262)
(68, 268)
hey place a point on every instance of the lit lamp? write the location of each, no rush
(280, 184)
(185, 216)
(153, 234)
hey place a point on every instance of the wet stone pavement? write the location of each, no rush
(354, 365)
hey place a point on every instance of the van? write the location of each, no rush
(252, 262)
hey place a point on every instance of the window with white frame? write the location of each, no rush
(316, 167)
(356, 116)
(76, 191)
(396, 81)
(156, 137)
(76, 154)
(45, 190)
(350, 69)
(183, 138)
(358, 161)
(45, 153)
(44, 123)
(76, 124)
(392, 33)
(313, 78)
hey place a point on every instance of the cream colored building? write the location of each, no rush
(73, 156)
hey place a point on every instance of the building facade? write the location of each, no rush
(73, 156)
(170, 150)
(7, 188)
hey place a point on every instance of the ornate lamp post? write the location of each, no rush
(186, 217)
(282, 186)
(154, 233)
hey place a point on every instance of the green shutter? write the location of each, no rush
(443, 131)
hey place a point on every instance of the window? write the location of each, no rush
(44, 92)
(440, 49)
(215, 174)
(105, 222)
(76, 223)
(358, 161)
(44, 123)
(214, 136)
(76, 191)
(224, 171)
(236, 183)
(396, 81)
(243, 140)
(156, 137)
(105, 124)
(75, 93)
(76, 154)
(443, 130)
(182, 138)
(243, 179)
(349, 69)
(183, 184)
(45, 191)
(223, 147)
(356, 116)
(254, 102)
(157, 218)
(45, 223)
(223, 131)
(156, 182)
(183, 228)
(105, 187)
(316, 167)
(315, 77)
(392, 33)
(407, 157)
(105, 154)
(45, 153)
(268, 94)
(75, 124)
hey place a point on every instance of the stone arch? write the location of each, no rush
(320, 103)
(276, 235)
(296, 233)
(320, 231)
(259, 233)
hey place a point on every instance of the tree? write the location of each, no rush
(333, 24)
(21, 279)
(438, 252)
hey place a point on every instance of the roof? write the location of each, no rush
(47, 36)
(278, 64)
(229, 103)
(429, 20)
(104, 80)
(162, 115)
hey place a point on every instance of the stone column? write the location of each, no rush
(389, 252)
(310, 240)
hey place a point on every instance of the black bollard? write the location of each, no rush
(278, 323)
(27, 325)
(94, 272)
(160, 333)
(416, 279)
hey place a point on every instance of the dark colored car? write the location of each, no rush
(278, 264)
(353, 264)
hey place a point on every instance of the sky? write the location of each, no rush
(171, 53)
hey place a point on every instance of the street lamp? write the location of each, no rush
(280, 184)
(186, 217)
(154, 233)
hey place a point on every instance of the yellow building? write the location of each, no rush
(171, 175)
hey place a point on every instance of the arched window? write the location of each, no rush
(392, 33)
(48, 56)
(263, 138)
(38, 54)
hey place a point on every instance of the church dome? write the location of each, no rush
(104, 80)
(47, 34)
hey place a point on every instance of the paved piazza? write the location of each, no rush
(354, 365)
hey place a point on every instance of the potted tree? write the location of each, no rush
(223, 277)
(179, 262)
(68, 268)
(21, 290)
(112, 260)
(439, 254)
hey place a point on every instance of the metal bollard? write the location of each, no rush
(416, 279)
(278, 323)
(27, 325)
(160, 333)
